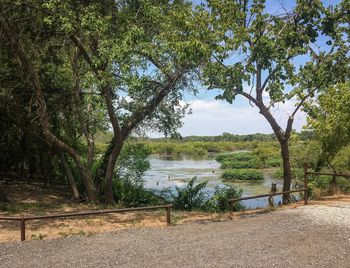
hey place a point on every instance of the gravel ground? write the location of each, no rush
(307, 236)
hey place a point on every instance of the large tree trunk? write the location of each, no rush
(283, 138)
(287, 173)
(109, 197)
(3, 197)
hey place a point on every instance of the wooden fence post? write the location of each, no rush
(305, 183)
(168, 215)
(23, 229)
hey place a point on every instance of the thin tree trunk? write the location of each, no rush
(3, 197)
(287, 174)
(109, 197)
(70, 177)
(29, 69)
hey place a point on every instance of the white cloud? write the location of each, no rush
(213, 117)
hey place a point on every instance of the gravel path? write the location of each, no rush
(317, 236)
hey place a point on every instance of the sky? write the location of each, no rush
(210, 117)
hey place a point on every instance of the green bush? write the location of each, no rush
(236, 164)
(234, 156)
(323, 185)
(191, 196)
(128, 184)
(131, 194)
(273, 162)
(246, 160)
(219, 202)
(237, 174)
(297, 173)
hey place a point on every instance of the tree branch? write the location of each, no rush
(250, 98)
(291, 118)
(106, 90)
(140, 114)
(86, 56)
(29, 69)
(84, 125)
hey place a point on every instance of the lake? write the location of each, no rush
(170, 171)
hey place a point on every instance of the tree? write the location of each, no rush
(330, 119)
(131, 59)
(328, 113)
(256, 58)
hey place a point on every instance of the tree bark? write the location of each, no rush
(282, 136)
(3, 197)
(70, 177)
(109, 197)
(122, 132)
(287, 174)
(29, 69)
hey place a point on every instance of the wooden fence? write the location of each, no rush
(305, 189)
(23, 219)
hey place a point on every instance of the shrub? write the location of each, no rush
(131, 194)
(297, 173)
(241, 161)
(191, 196)
(273, 162)
(219, 202)
(235, 156)
(323, 185)
(236, 174)
(128, 184)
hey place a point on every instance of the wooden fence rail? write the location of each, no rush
(305, 189)
(23, 219)
(271, 194)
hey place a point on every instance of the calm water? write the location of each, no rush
(168, 172)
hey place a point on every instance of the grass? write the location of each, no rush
(241, 175)
(246, 160)
(16, 208)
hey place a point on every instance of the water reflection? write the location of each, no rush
(170, 171)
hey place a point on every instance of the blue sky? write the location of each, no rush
(213, 117)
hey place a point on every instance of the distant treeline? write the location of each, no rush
(303, 136)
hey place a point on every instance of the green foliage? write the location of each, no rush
(258, 159)
(268, 154)
(94, 64)
(329, 117)
(128, 182)
(305, 152)
(324, 185)
(219, 202)
(297, 173)
(196, 148)
(274, 162)
(241, 175)
(341, 162)
(191, 196)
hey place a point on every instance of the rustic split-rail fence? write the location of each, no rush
(23, 219)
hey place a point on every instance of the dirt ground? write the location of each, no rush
(35, 200)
